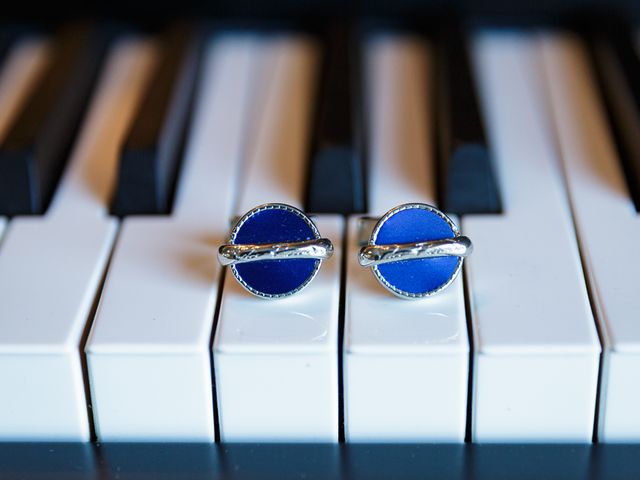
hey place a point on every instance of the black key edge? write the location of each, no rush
(152, 154)
(335, 177)
(615, 62)
(467, 183)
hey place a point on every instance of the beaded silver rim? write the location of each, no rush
(374, 236)
(251, 213)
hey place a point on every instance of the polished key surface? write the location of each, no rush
(148, 352)
(274, 168)
(405, 362)
(536, 348)
(276, 361)
(51, 268)
(608, 228)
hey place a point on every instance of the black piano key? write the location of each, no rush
(37, 144)
(7, 37)
(617, 66)
(150, 156)
(466, 177)
(335, 182)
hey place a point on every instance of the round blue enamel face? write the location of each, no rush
(415, 223)
(274, 223)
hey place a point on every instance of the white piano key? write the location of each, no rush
(405, 362)
(276, 362)
(400, 158)
(275, 165)
(148, 352)
(537, 349)
(51, 268)
(608, 227)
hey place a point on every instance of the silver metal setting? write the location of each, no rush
(232, 254)
(372, 255)
(319, 249)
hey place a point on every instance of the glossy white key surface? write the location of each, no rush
(51, 268)
(608, 227)
(405, 361)
(536, 345)
(276, 158)
(399, 108)
(276, 361)
(148, 352)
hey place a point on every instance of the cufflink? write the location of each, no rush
(275, 250)
(414, 250)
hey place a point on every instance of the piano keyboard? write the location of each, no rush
(124, 155)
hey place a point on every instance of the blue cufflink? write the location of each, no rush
(275, 250)
(414, 250)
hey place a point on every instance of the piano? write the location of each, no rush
(129, 142)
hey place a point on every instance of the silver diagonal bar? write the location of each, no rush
(371, 255)
(318, 248)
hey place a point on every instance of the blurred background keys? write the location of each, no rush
(467, 182)
(336, 183)
(151, 154)
(34, 150)
(617, 65)
(7, 38)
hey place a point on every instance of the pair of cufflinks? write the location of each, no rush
(414, 250)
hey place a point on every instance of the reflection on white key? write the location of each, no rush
(608, 227)
(276, 361)
(405, 361)
(51, 268)
(21, 68)
(537, 349)
(148, 352)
